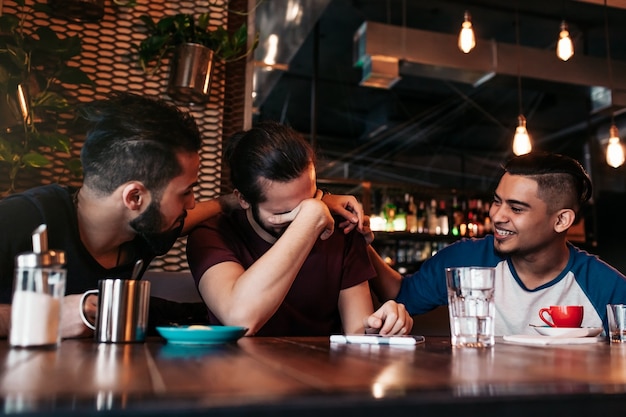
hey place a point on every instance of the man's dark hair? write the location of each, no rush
(562, 181)
(269, 150)
(135, 138)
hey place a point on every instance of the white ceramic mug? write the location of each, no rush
(122, 314)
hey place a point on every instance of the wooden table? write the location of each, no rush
(311, 377)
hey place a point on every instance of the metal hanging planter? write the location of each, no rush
(190, 74)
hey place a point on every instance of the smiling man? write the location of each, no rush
(292, 278)
(536, 201)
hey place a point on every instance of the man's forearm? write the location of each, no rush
(209, 208)
(387, 283)
(202, 211)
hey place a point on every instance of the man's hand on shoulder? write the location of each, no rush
(366, 231)
(347, 207)
(351, 210)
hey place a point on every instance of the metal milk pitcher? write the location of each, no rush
(122, 314)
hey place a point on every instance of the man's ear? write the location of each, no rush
(135, 195)
(241, 199)
(564, 220)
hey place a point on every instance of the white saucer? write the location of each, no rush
(568, 331)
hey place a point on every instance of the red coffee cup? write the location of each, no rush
(563, 316)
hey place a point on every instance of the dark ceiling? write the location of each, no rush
(430, 131)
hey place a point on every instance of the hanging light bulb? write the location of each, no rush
(615, 151)
(521, 141)
(565, 46)
(467, 40)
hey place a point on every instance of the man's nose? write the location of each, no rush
(496, 213)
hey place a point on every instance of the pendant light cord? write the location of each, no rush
(519, 72)
(608, 53)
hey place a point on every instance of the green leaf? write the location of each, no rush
(74, 166)
(8, 23)
(125, 3)
(42, 7)
(240, 36)
(74, 75)
(5, 76)
(35, 160)
(50, 101)
(154, 48)
(169, 24)
(18, 57)
(204, 20)
(54, 140)
(49, 45)
(72, 47)
(47, 37)
(6, 150)
(148, 22)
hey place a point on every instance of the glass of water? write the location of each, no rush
(616, 316)
(471, 305)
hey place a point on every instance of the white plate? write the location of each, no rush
(568, 331)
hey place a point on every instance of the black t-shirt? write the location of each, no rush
(21, 214)
(53, 205)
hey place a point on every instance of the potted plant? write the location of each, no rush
(33, 66)
(194, 45)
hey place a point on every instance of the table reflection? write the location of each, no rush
(469, 367)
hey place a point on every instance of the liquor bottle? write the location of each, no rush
(487, 221)
(433, 222)
(421, 218)
(472, 216)
(389, 213)
(411, 214)
(399, 220)
(480, 218)
(458, 217)
(442, 218)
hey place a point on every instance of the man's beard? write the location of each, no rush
(515, 251)
(148, 225)
(257, 218)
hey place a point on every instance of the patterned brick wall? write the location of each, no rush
(109, 60)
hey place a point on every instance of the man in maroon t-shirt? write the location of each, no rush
(297, 278)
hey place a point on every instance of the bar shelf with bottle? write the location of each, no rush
(405, 251)
(407, 233)
(412, 223)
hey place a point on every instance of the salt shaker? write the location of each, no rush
(37, 296)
